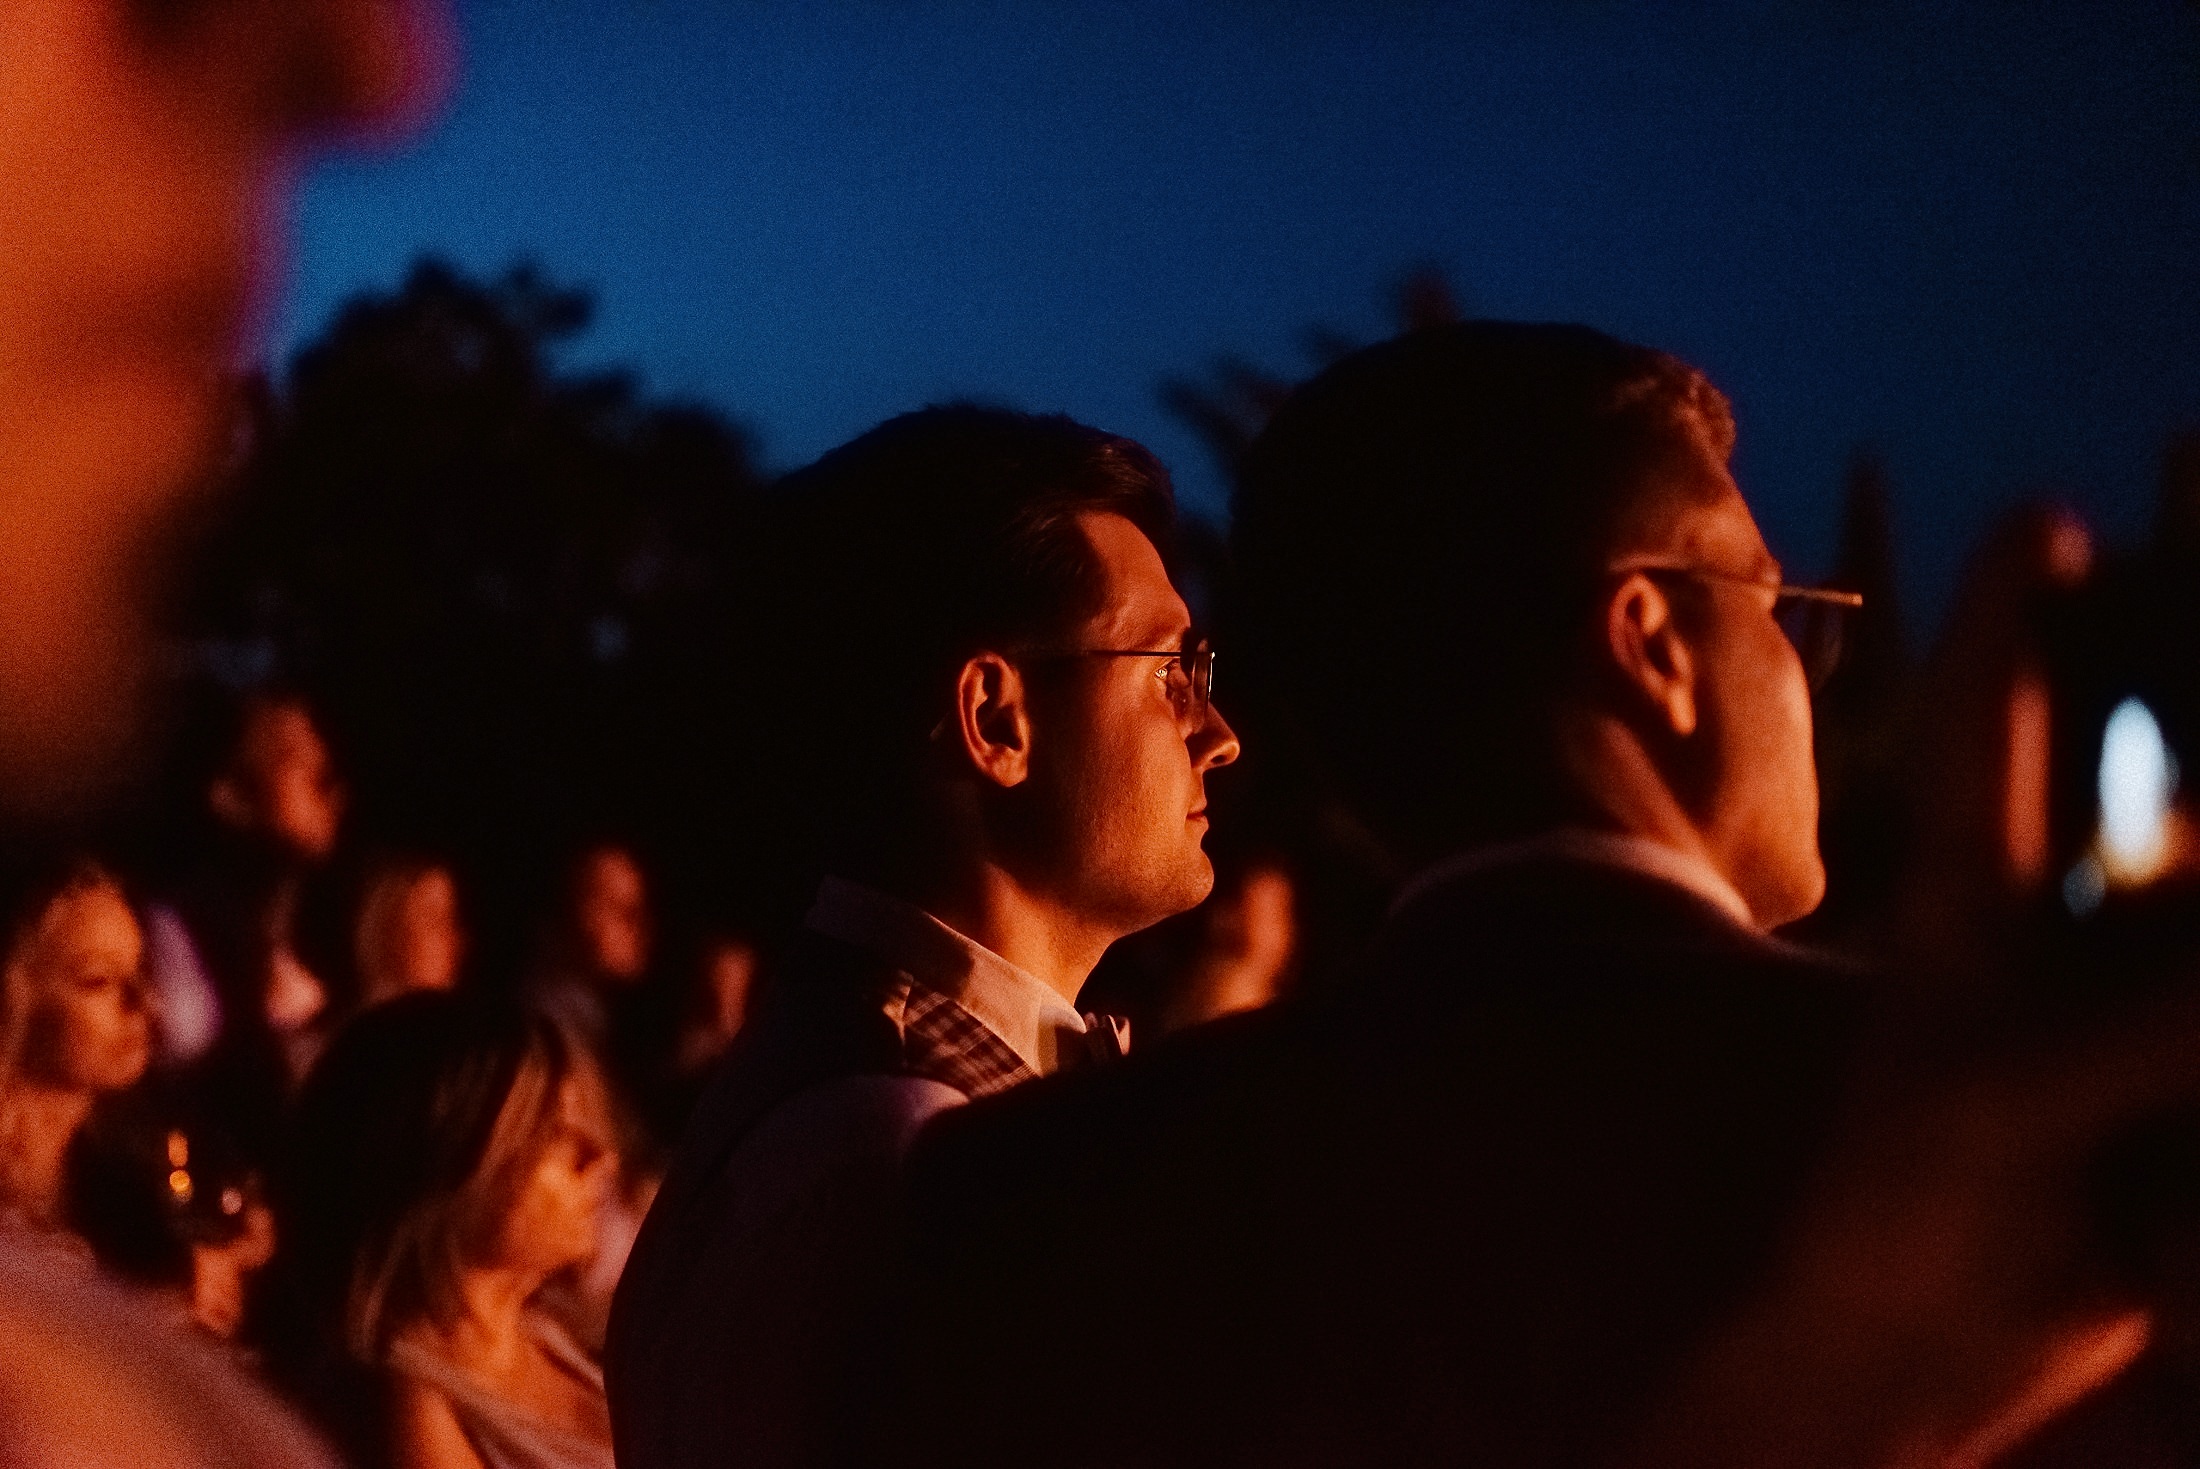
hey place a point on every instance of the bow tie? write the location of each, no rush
(1105, 1038)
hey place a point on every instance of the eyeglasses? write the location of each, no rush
(1188, 676)
(1815, 619)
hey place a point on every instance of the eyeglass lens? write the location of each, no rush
(1192, 683)
(1819, 631)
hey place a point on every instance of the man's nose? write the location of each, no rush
(1215, 743)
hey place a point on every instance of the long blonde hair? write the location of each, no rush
(418, 1128)
(31, 886)
(29, 890)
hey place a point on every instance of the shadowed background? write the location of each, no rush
(1961, 232)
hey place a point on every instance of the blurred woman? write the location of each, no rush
(452, 1161)
(73, 1021)
(407, 934)
(382, 922)
(597, 945)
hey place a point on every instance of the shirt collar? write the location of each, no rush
(1605, 849)
(1013, 1003)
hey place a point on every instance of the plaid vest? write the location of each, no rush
(943, 1042)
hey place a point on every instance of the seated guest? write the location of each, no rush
(720, 995)
(1538, 1188)
(407, 933)
(1000, 757)
(451, 1161)
(272, 806)
(670, 1043)
(383, 923)
(598, 944)
(73, 1022)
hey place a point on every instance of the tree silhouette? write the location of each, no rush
(1230, 406)
(1864, 722)
(494, 572)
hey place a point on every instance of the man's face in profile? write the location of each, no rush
(1118, 767)
(1760, 789)
(144, 148)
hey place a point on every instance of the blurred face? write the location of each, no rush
(411, 939)
(553, 1221)
(283, 784)
(611, 914)
(1117, 800)
(144, 152)
(729, 979)
(81, 980)
(1759, 806)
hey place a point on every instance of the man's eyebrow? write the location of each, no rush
(1172, 636)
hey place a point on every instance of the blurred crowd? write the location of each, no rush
(262, 1068)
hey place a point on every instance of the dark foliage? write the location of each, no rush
(496, 574)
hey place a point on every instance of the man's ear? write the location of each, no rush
(992, 720)
(1649, 653)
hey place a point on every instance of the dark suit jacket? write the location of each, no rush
(1474, 1212)
(746, 1313)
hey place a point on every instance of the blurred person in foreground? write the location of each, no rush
(73, 1023)
(144, 150)
(1577, 1171)
(451, 1159)
(1004, 744)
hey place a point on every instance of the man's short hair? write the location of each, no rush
(1419, 535)
(935, 536)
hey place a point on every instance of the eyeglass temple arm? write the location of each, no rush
(1831, 595)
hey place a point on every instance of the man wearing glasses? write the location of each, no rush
(995, 756)
(1485, 1205)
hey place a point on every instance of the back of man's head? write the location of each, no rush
(1420, 532)
(937, 535)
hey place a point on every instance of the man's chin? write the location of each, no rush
(1792, 901)
(1169, 896)
(1199, 883)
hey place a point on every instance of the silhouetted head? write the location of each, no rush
(1503, 580)
(991, 664)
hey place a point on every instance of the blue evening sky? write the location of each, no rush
(1966, 232)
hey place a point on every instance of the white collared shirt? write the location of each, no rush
(1015, 1004)
(1604, 849)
